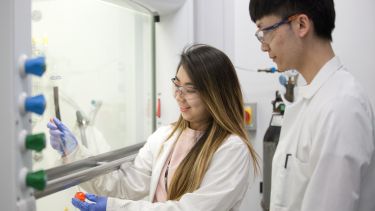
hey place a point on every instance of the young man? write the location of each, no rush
(325, 157)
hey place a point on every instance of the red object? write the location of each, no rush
(247, 117)
(80, 195)
(158, 113)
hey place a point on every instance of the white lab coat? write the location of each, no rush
(223, 187)
(325, 157)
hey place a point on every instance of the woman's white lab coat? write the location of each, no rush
(223, 187)
(325, 157)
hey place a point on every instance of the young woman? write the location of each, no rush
(204, 161)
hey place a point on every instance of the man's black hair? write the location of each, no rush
(321, 12)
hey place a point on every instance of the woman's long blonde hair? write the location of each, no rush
(215, 78)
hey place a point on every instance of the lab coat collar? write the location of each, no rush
(308, 91)
(163, 155)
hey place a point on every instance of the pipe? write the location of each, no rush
(66, 176)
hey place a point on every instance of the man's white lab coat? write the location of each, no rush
(223, 187)
(325, 157)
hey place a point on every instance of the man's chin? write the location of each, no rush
(283, 69)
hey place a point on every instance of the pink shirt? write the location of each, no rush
(182, 147)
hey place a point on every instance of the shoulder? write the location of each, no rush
(343, 93)
(232, 156)
(342, 111)
(347, 87)
(233, 147)
(160, 135)
(155, 141)
(234, 140)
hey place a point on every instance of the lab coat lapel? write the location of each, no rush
(159, 164)
(290, 121)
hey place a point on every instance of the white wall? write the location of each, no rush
(353, 40)
(173, 33)
(210, 18)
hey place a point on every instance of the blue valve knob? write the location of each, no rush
(283, 81)
(35, 66)
(36, 104)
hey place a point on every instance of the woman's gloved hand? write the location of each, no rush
(99, 203)
(61, 138)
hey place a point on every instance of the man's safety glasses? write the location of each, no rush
(261, 33)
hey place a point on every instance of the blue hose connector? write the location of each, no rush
(35, 66)
(36, 104)
(273, 69)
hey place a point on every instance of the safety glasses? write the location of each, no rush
(261, 34)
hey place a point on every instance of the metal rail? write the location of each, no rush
(66, 176)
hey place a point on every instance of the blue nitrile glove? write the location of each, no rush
(99, 203)
(61, 138)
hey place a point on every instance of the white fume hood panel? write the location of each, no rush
(162, 7)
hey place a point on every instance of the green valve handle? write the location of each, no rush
(37, 180)
(36, 142)
(282, 107)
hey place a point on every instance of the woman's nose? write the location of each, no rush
(178, 96)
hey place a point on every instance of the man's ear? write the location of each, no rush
(303, 25)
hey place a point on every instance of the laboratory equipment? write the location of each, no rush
(80, 195)
(289, 84)
(18, 179)
(63, 177)
(82, 126)
(98, 203)
(268, 70)
(288, 80)
(56, 102)
(270, 141)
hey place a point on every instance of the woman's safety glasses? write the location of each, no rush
(188, 91)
